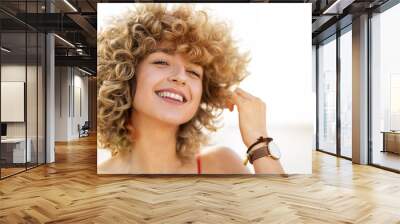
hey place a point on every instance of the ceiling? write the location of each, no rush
(76, 20)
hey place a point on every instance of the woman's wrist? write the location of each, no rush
(254, 137)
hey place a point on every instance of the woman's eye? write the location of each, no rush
(160, 62)
(194, 73)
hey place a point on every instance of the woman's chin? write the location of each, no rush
(174, 120)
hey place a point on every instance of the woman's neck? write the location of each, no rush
(154, 148)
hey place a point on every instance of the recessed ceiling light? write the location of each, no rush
(5, 50)
(70, 5)
(338, 6)
(86, 72)
(64, 40)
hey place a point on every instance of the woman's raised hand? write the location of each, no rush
(252, 115)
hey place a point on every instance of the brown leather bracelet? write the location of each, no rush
(259, 153)
(260, 140)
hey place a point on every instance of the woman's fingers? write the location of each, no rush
(252, 116)
(237, 99)
(229, 104)
(244, 94)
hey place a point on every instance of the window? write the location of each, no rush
(346, 93)
(385, 88)
(327, 96)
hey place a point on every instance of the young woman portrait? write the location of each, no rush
(164, 77)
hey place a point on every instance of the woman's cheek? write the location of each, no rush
(198, 94)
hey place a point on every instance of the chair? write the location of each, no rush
(84, 130)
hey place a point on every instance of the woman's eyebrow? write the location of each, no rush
(169, 51)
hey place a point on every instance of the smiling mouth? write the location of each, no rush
(171, 97)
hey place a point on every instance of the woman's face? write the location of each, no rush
(168, 88)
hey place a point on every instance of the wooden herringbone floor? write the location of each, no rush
(70, 191)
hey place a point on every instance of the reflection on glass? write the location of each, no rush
(386, 89)
(346, 94)
(395, 102)
(23, 85)
(13, 85)
(327, 96)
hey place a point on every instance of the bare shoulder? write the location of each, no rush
(222, 160)
(110, 166)
(104, 167)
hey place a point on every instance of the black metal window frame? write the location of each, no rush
(334, 37)
(387, 5)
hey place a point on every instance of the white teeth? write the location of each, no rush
(171, 96)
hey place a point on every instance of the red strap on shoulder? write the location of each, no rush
(198, 164)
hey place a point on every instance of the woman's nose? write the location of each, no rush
(179, 75)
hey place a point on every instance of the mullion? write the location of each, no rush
(26, 87)
(338, 92)
(369, 90)
(37, 90)
(0, 94)
(317, 95)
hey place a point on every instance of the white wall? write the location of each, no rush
(68, 83)
(15, 72)
(33, 127)
(61, 103)
(80, 84)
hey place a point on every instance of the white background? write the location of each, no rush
(278, 37)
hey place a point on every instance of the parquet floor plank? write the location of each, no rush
(70, 191)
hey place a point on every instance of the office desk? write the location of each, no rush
(13, 150)
(391, 142)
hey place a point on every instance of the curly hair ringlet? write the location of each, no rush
(129, 38)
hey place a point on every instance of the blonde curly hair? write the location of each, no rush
(128, 39)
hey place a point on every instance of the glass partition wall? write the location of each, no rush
(334, 75)
(22, 90)
(334, 117)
